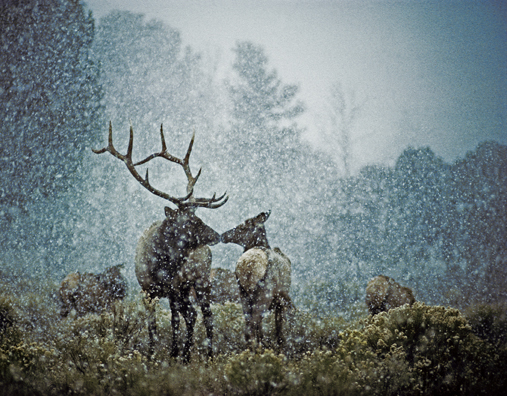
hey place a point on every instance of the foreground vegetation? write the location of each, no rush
(419, 350)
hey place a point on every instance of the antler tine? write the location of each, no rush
(212, 203)
(131, 143)
(189, 150)
(218, 204)
(162, 138)
(163, 153)
(109, 147)
(183, 162)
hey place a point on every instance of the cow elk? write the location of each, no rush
(172, 255)
(384, 293)
(264, 278)
(85, 292)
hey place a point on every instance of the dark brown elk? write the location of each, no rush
(264, 278)
(85, 292)
(172, 255)
(384, 293)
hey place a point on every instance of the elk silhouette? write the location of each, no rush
(264, 278)
(85, 292)
(172, 255)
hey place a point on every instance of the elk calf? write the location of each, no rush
(87, 292)
(263, 275)
(384, 293)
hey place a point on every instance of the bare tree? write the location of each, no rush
(343, 113)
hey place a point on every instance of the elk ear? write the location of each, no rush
(262, 217)
(169, 212)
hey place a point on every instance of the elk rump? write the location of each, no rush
(384, 293)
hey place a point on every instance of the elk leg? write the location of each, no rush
(257, 326)
(253, 325)
(203, 299)
(249, 330)
(247, 304)
(283, 303)
(279, 311)
(189, 314)
(152, 324)
(175, 324)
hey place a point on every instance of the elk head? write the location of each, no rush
(180, 232)
(249, 234)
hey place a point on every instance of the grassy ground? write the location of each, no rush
(419, 350)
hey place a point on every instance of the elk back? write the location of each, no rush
(384, 293)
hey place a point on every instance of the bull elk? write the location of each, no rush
(263, 275)
(172, 255)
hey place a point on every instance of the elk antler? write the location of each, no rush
(186, 202)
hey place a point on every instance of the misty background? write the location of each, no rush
(374, 131)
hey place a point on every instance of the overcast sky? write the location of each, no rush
(426, 73)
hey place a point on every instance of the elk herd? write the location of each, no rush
(173, 260)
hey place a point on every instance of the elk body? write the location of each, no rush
(85, 292)
(172, 255)
(384, 293)
(170, 265)
(263, 275)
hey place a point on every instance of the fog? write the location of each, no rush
(423, 73)
(374, 131)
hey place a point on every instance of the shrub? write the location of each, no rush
(442, 353)
(7, 313)
(489, 322)
(418, 350)
(256, 373)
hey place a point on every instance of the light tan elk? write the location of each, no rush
(84, 292)
(384, 293)
(263, 275)
(172, 255)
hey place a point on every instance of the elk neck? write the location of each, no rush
(258, 241)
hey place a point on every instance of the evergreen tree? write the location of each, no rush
(49, 98)
(269, 166)
(263, 141)
(479, 231)
(50, 114)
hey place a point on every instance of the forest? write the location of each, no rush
(437, 227)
